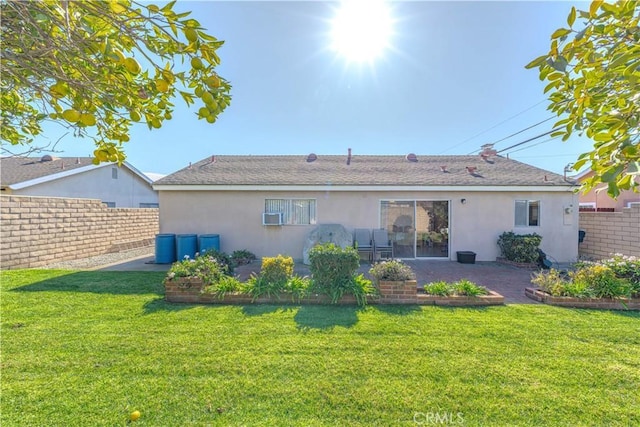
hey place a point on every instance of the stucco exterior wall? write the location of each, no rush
(127, 191)
(37, 231)
(610, 232)
(473, 226)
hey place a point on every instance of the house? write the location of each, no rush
(598, 199)
(77, 177)
(432, 206)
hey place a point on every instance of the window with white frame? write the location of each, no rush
(294, 211)
(527, 213)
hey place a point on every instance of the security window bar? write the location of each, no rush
(294, 211)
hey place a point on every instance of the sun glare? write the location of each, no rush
(361, 30)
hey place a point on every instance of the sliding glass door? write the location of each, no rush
(417, 228)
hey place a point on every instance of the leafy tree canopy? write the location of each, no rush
(593, 70)
(98, 67)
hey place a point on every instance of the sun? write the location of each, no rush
(361, 30)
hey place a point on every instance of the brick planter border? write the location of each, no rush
(598, 303)
(493, 298)
(523, 265)
(183, 290)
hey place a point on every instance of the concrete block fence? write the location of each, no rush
(36, 231)
(610, 232)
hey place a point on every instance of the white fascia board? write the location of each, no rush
(137, 172)
(54, 176)
(360, 188)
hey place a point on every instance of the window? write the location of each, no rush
(527, 213)
(110, 204)
(114, 173)
(294, 211)
(149, 205)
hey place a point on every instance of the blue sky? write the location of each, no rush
(453, 79)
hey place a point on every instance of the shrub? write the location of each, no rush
(625, 267)
(442, 289)
(361, 287)
(468, 288)
(258, 286)
(519, 247)
(204, 267)
(392, 270)
(222, 258)
(226, 285)
(550, 281)
(602, 281)
(299, 287)
(242, 257)
(333, 270)
(277, 270)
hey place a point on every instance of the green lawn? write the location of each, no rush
(88, 348)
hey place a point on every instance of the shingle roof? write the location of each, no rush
(19, 169)
(362, 170)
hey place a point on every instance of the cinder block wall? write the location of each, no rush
(36, 231)
(610, 232)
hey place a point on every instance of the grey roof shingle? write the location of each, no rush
(362, 170)
(14, 170)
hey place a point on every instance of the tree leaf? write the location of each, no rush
(560, 33)
(572, 16)
(536, 62)
(593, 8)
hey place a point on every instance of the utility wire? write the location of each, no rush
(530, 139)
(493, 127)
(519, 132)
(536, 144)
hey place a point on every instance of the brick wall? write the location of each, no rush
(610, 232)
(36, 231)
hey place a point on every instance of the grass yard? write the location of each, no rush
(88, 348)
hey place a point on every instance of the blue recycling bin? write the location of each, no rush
(165, 248)
(186, 245)
(209, 241)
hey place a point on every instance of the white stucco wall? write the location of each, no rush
(127, 191)
(473, 226)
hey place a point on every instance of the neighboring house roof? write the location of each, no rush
(334, 170)
(154, 176)
(21, 172)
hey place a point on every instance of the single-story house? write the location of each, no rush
(77, 177)
(431, 206)
(598, 199)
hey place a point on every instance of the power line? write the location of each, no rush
(519, 132)
(534, 145)
(530, 139)
(493, 127)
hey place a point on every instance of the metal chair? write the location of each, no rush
(382, 243)
(362, 242)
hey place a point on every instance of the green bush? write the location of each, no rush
(242, 257)
(204, 267)
(468, 288)
(550, 281)
(277, 270)
(223, 259)
(519, 247)
(602, 281)
(225, 285)
(625, 267)
(259, 285)
(392, 270)
(462, 287)
(442, 289)
(333, 270)
(299, 287)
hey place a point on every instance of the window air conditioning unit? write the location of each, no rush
(272, 218)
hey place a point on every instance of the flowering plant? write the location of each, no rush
(392, 270)
(203, 267)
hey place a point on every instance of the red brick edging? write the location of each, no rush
(184, 290)
(601, 303)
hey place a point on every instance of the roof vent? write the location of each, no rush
(471, 169)
(46, 158)
(443, 168)
(213, 159)
(77, 160)
(412, 157)
(349, 157)
(312, 158)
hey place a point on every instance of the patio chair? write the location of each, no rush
(362, 242)
(382, 243)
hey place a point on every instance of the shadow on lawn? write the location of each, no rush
(103, 282)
